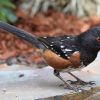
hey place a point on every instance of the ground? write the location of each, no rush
(26, 83)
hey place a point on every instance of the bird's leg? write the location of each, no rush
(79, 81)
(66, 84)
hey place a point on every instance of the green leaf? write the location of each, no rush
(3, 16)
(6, 11)
(11, 17)
(8, 15)
(7, 3)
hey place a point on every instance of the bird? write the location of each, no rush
(64, 53)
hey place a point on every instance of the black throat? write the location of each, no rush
(87, 56)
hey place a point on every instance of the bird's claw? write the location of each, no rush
(91, 83)
(76, 89)
(81, 82)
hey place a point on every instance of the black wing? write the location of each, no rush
(63, 46)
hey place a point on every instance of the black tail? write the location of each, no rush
(22, 34)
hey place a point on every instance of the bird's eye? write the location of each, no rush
(98, 39)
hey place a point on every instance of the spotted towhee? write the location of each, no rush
(64, 53)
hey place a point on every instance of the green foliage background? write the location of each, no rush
(7, 11)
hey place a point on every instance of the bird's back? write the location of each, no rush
(63, 46)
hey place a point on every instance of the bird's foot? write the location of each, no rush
(76, 89)
(80, 82)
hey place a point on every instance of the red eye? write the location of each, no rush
(98, 39)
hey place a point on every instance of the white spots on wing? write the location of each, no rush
(66, 55)
(64, 51)
(52, 42)
(54, 50)
(44, 37)
(62, 46)
(51, 45)
(67, 50)
(68, 37)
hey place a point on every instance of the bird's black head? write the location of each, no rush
(91, 39)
